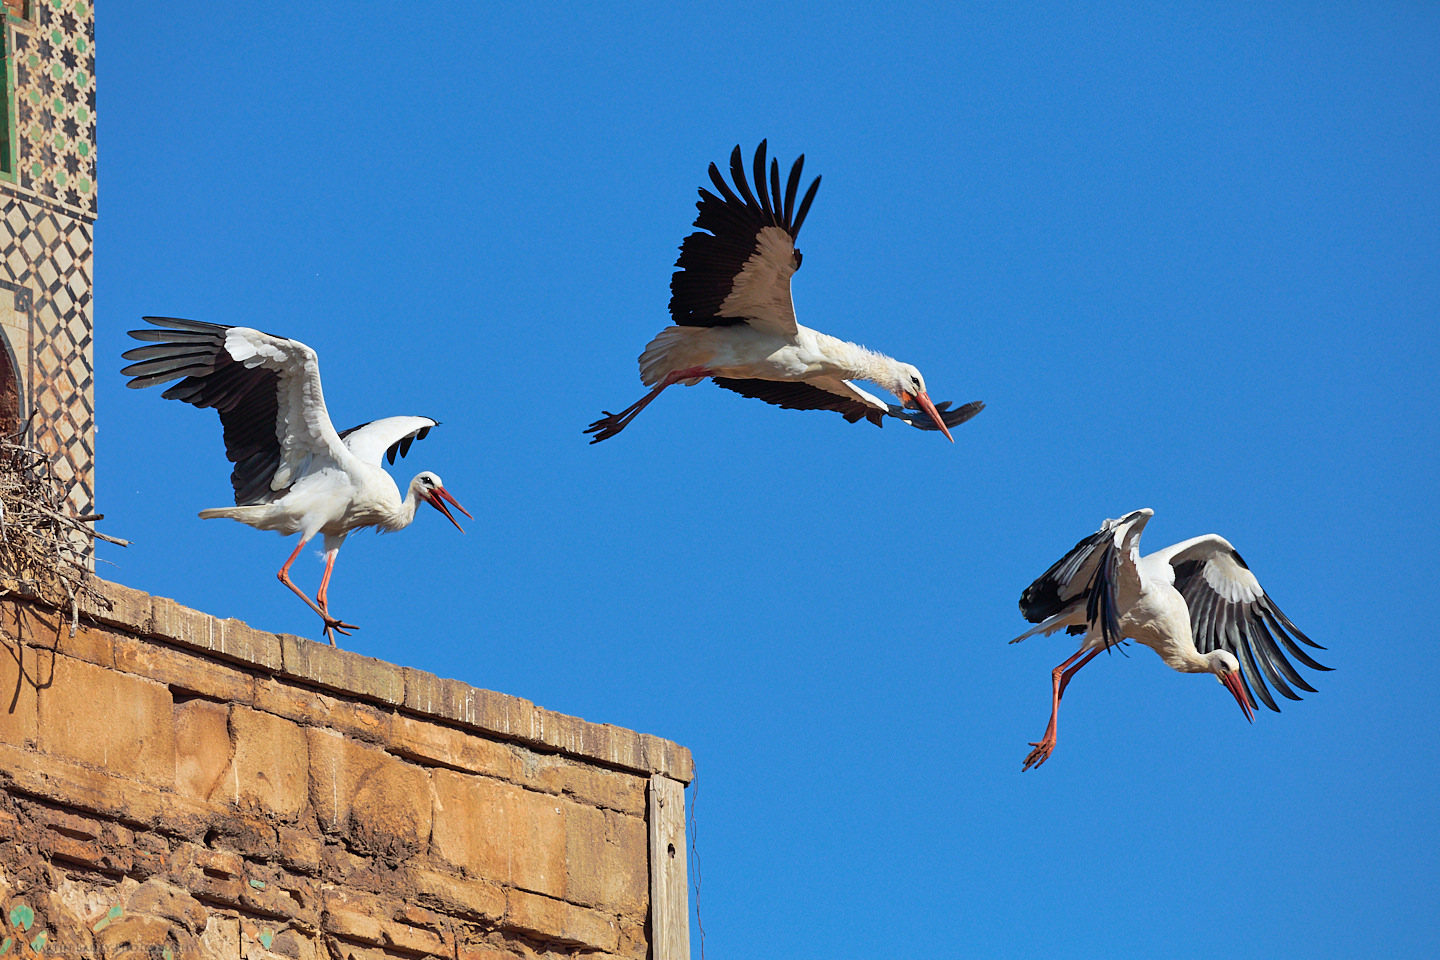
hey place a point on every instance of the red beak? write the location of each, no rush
(1234, 684)
(440, 497)
(923, 401)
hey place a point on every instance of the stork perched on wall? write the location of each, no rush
(735, 322)
(293, 473)
(1195, 603)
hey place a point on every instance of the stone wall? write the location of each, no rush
(176, 786)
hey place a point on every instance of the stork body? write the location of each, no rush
(734, 320)
(293, 472)
(1195, 603)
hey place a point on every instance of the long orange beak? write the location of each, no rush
(442, 497)
(923, 401)
(1237, 688)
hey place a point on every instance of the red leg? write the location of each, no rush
(330, 622)
(612, 423)
(322, 596)
(1059, 679)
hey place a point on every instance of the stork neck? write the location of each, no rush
(867, 364)
(404, 514)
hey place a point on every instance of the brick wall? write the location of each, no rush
(173, 785)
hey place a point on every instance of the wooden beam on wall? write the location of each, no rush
(669, 884)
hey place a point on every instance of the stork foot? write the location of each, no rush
(1040, 754)
(333, 626)
(609, 425)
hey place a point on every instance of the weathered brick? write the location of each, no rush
(467, 898)
(118, 606)
(231, 640)
(270, 764)
(606, 859)
(484, 951)
(500, 831)
(183, 670)
(162, 899)
(249, 836)
(411, 938)
(436, 744)
(537, 842)
(312, 707)
(435, 696)
(472, 823)
(299, 850)
(118, 722)
(48, 631)
(342, 670)
(18, 666)
(202, 746)
(561, 922)
(597, 786)
(378, 802)
(634, 942)
(271, 892)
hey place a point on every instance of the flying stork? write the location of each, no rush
(734, 321)
(1195, 603)
(293, 473)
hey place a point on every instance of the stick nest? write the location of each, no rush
(44, 547)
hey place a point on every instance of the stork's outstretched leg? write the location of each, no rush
(612, 423)
(1059, 679)
(331, 623)
(322, 597)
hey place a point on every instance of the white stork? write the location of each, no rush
(293, 473)
(735, 321)
(1195, 603)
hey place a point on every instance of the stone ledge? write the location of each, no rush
(452, 702)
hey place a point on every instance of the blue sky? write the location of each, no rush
(1189, 255)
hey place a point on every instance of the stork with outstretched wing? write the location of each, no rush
(734, 321)
(1195, 603)
(293, 472)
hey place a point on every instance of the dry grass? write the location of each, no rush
(44, 548)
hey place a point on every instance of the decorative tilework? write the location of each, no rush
(46, 263)
(45, 235)
(54, 59)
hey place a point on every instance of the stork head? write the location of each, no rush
(427, 487)
(1224, 665)
(909, 386)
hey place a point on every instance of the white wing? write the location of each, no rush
(388, 437)
(1229, 610)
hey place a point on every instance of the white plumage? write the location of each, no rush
(1194, 603)
(735, 321)
(293, 472)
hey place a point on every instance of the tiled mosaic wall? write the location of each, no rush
(47, 207)
(45, 265)
(54, 70)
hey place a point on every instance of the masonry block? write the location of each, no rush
(472, 823)
(117, 722)
(270, 765)
(18, 717)
(561, 922)
(431, 743)
(337, 669)
(468, 898)
(183, 670)
(377, 802)
(202, 746)
(607, 859)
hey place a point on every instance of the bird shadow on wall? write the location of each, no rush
(28, 623)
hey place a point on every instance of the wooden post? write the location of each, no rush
(669, 885)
